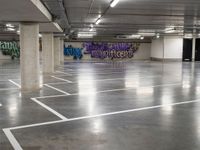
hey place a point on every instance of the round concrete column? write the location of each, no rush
(56, 51)
(29, 56)
(47, 53)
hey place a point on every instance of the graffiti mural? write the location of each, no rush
(75, 52)
(10, 48)
(110, 50)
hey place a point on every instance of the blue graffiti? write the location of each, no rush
(75, 52)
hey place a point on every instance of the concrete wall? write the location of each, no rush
(142, 54)
(157, 48)
(172, 47)
(3, 57)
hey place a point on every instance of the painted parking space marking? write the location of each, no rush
(99, 80)
(61, 91)
(7, 89)
(62, 118)
(17, 146)
(49, 109)
(18, 85)
(61, 79)
(113, 90)
(66, 74)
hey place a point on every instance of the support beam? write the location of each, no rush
(29, 56)
(61, 50)
(56, 51)
(48, 53)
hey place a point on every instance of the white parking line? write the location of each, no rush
(67, 74)
(57, 89)
(97, 73)
(7, 89)
(18, 85)
(112, 90)
(61, 79)
(49, 109)
(99, 80)
(15, 144)
(104, 114)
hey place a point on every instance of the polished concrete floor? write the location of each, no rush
(140, 105)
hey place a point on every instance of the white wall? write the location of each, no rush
(142, 54)
(171, 46)
(157, 48)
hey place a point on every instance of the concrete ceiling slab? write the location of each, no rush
(50, 27)
(23, 11)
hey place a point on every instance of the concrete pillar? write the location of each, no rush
(29, 56)
(48, 53)
(61, 50)
(193, 48)
(56, 51)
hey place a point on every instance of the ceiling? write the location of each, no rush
(14, 12)
(127, 17)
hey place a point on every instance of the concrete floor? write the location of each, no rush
(103, 106)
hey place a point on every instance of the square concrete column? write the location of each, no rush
(29, 56)
(47, 53)
(61, 50)
(56, 51)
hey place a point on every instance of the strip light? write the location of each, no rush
(141, 38)
(157, 35)
(114, 3)
(10, 29)
(98, 21)
(91, 29)
(9, 25)
(85, 34)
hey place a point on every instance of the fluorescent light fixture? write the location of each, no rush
(40, 35)
(158, 36)
(141, 38)
(114, 3)
(98, 21)
(147, 34)
(91, 29)
(134, 36)
(18, 32)
(86, 34)
(9, 25)
(99, 16)
(10, 29)
(81, 35)
(170, 30)
(91, 25)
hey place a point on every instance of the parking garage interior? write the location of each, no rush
(99, 75)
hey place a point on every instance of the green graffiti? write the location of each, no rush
(10, 48)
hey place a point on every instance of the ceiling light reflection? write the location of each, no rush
(145, 90)
(97, 126)
(87, 85)
(165, 101)
(186, 84)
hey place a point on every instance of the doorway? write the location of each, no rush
(187, 49)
